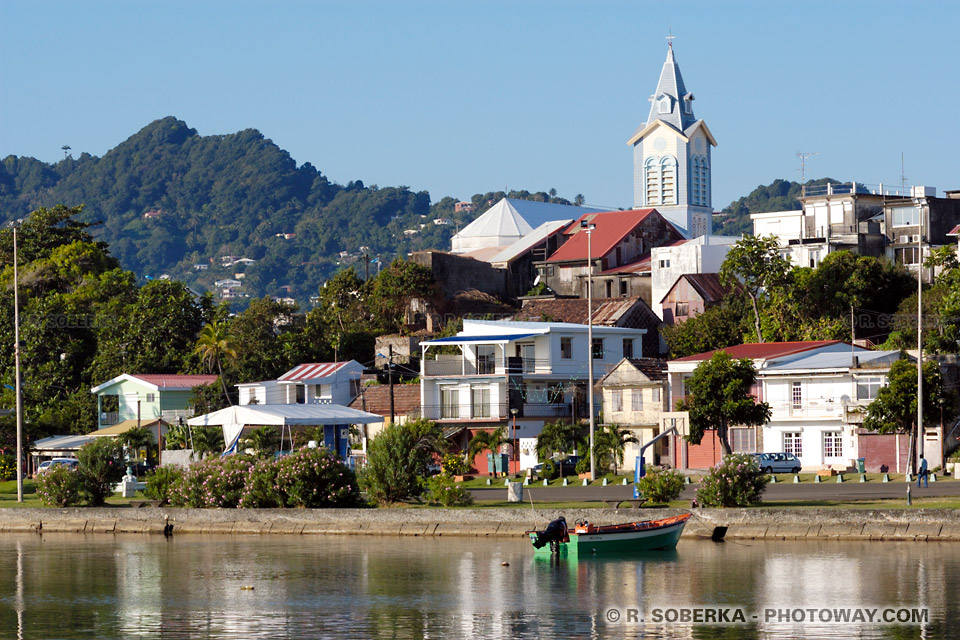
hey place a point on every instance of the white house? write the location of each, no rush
(518, 374)
(817, 392)
(313, 383)
(704, 254)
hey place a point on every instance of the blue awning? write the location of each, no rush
(474, 339)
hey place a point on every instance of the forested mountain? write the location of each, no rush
(176, 203)
(173, 202)
(780, 195)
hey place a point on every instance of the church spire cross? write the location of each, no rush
(670, 37)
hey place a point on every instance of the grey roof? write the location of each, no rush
(530, 240)
(671, 84)
(835, 360)
(536, 213)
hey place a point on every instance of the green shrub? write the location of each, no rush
(442, 490)
(583, 466)
(215, 482)
(660, 484)
(162, 482)
(316, 478)
(101, 467)
(736, 481)
(59, 486)
(8, 467)
(454, 464)
(550, 470)
(260, 490)
(398, 457)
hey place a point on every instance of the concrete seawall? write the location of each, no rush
(775, 524)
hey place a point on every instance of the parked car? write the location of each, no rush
(568, 467)
(70, 463)
(778, 462)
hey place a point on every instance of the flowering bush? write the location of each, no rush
(162, 482)
(441, 489)
(454, 464)
(100, 468)
(216, 482)
(260, 490)
(660, 484)
(735, 481)
(315, 478)
(59, 486)
(8, 467)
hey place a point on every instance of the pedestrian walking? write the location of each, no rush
(923, 474)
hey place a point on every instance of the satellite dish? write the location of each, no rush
(536, 280)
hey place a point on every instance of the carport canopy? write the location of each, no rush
(233, 420)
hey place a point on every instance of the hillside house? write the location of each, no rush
(146, 397)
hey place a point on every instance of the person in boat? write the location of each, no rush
(556, 531)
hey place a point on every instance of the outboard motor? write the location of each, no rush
(556, 531)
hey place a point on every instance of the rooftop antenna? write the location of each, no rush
(903, 176)
(803, 155)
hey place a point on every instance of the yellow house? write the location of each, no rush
(634, 396)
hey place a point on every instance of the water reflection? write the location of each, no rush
(322, 587)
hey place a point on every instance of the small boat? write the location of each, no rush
(585, 537)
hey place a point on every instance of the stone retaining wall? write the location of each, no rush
(777, 524)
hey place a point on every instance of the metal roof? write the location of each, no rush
(528, 241)
(161, 381)
(836, 360)
(611, 228)
(761, 350)
(510, 337)
(313, 371)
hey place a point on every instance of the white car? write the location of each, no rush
(778, 462)
(70, 463)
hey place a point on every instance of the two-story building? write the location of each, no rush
(817, 391)
(146, 397)
(704, 254)
(635, 395)
(518, 374)
(610, 247)
(311, 383)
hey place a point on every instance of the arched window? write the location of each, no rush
(664, 104)
(695, 182)
(651, 176)
(704, 182)
(668, 180)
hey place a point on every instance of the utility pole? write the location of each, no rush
(390, 379)
(16, 360)
(920, 433)
(588, 228)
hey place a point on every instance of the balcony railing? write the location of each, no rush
(499, 411)
(457, 366)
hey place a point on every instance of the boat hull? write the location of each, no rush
(627, 541)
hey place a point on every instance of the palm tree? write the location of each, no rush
(262, 440)
(558, 437)
(217, 345)
(206, 440)
(609, 444)
(487, 440)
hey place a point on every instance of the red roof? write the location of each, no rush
(612, 226)
(312, 371)
(955, 231)
(761, 350)
(165, 381)
(640, 266)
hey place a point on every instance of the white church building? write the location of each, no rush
(671, 157)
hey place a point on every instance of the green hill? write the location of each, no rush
(179, 204)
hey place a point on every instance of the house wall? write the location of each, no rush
(129, 393)
(690, 257)
(683, 291)
(884, 453)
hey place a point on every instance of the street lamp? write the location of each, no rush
(588, 228)
(516, 451)
(16, 360)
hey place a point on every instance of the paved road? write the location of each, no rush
(849, 490)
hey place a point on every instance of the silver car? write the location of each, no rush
(778, 462)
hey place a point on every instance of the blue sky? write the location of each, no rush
(460, 96)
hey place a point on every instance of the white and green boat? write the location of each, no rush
(648, 535)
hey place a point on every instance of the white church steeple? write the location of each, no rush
(672, 156)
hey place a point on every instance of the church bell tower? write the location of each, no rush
(672, 156)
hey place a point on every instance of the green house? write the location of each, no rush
(146, 397)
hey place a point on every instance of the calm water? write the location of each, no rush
(75, 586)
